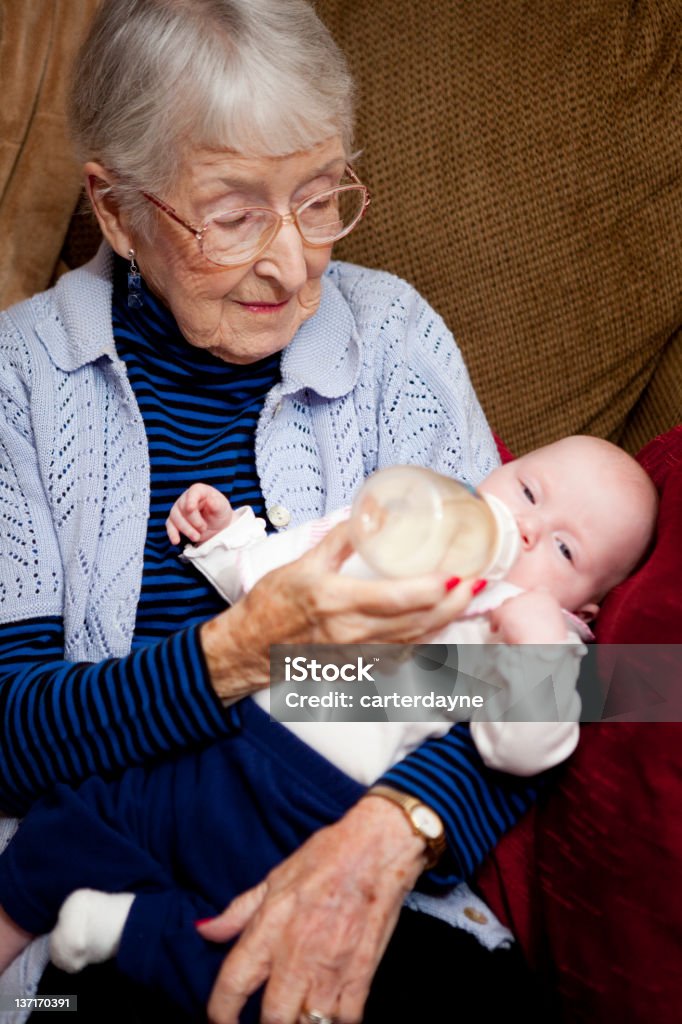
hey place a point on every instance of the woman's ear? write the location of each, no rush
(588, 612)
(112, 221)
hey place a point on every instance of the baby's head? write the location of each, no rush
(586, 511)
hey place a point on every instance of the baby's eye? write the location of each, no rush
(565, 550)
(528, 494)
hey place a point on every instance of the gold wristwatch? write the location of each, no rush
(423, 820)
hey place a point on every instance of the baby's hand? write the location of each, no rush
(199, 513)
(534, 617)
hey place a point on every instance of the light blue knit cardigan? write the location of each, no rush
(373, 379)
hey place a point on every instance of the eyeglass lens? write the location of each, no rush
(235, 236)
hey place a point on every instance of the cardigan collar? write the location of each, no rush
(325, 354)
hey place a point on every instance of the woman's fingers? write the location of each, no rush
(243, 972)
(353, 996)
(371, 596)
(285, 996)
(304, 603)
(235, 917)
(457, 598)
(342, 992)
(397, 611)
(379, 597)
(332, 551)
(325, 920)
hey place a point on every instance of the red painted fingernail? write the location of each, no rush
(202, 920)
(478, 586)
(453, 582)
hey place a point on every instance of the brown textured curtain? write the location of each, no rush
(526, 160)
(39, 179)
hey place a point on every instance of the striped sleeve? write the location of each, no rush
(61, 721)
(477, 804)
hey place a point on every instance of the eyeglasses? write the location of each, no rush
(238, 236)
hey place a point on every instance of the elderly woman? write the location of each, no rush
(212, 339)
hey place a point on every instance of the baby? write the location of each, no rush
(586, 513)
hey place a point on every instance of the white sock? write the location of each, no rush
(89, 928)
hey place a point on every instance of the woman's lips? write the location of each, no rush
(263, 307)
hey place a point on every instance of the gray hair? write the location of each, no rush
(156, 77)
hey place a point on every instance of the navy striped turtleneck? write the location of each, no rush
(200, 415)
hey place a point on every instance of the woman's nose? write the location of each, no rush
(284, 259)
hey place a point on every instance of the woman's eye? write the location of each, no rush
(321, 204)
(528, 494)
(565, 550)
(231, 220)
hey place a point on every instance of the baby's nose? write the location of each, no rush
(529, 528)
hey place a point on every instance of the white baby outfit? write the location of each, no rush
(536, 681)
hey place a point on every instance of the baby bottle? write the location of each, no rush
(408, 520)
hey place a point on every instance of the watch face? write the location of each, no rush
(427, 821)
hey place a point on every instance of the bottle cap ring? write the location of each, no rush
(508, 539)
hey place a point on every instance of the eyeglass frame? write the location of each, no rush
(282, 219)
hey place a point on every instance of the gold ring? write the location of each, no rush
(317, 1017)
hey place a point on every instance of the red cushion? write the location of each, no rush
(647, 608)
(591, 878)
(608, 847)
(502, 450)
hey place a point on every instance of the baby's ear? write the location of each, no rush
(588, 612)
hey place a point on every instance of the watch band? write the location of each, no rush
(435, 844)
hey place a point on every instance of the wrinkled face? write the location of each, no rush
(583, 523)
(241, 314)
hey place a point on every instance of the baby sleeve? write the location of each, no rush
(531, 722)
(236, 558)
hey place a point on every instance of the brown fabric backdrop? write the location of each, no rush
(526, 161)
(39, 179)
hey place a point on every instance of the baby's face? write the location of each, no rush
(585, 517)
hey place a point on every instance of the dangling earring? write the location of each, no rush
(135, 296)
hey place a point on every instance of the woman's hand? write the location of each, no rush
(315, 930)
(308, 602)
